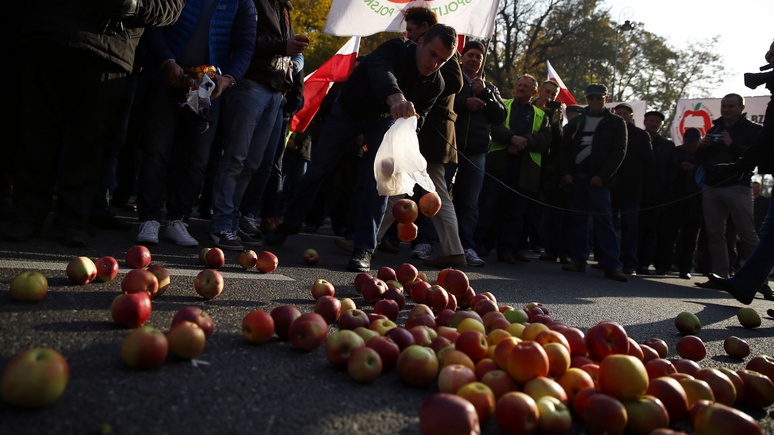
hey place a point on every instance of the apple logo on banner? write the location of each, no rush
(699, 117)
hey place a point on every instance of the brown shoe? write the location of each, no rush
(445, 261)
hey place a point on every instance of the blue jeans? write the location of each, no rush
(755, 271)
(175, 154)
(336, 139)
(250, 112)
(592, 205)
(252, 199)
(467, 186)
(370, 212)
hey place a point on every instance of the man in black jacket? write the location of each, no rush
(594, 146)
(399, 79)
(81, 53)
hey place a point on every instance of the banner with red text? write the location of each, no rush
(700, 112)
(366, 17)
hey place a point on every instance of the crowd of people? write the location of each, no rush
(514, 175)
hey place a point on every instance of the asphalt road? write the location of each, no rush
(237, 388)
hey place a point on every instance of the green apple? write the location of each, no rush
(748, 317)
(29, 286)
(687, 323)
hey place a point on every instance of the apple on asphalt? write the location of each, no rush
(197, 315)
(144, 348)
(387, 349)
(34, 378)
(417, 366)
(311, 257)
(322, 287)
(267, 262)
(364, 365)
(444, 413)
(29, 286)
(140, 280)
(81, 270)
(247, 259)
(606, 338)
(186, 340)
(163, 278)
(107, 268)
(308, 332)
(130, 310)
(208, 283)
(516, 412)
(482, 398)
(257, 326)
(340, 344)
(283, 317)
(137, 257)
(329, 307)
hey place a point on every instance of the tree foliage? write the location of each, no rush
(580, 39)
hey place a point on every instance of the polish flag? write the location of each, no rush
(316, 85)
(564, 94)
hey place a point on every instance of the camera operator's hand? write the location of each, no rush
(725, 137)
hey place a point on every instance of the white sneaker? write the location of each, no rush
(149, 232)
(248, 225)
(422, 251)
(177, 231)
(473, 259)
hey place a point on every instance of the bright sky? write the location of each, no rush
(746, 29)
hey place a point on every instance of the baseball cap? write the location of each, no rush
(596, 89)
(575, 108)
(626, 105)
(655, 113)
(691, 134)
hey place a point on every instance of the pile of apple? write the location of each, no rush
(405, 211)
(517, 366)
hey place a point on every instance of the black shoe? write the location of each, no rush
(716, 282)
(21, 232)
(685, 275)
(278, 236)
(616, 275)
(360, 261)
(643, 272)
(75, 237)
(546, 256)
(389, 247)
(766, 292)
(105, 220)
(770, 312)
(574, 267)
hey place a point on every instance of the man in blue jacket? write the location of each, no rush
(220, 34)
(399, 79)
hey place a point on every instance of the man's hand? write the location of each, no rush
(477, 85)
(221, 84)
(595, 182)
(400, 107)
(518, 144)
(296, 45)
(475, 104)
(174, 74)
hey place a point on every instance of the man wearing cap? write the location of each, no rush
(572, 111)
(627, 194)
(683, 216)
(727, 194)
(594, 145)
(658, 180)
(479, 106)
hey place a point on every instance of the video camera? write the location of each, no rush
(753, 80)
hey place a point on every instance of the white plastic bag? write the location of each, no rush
(399, 165)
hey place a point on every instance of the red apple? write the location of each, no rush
(500, 382)
(267, 262)
(659, 367)
(672, 395)
(388, 307)
(163, 278)
(716, 418)
(448, 356)
(516, 412)
(658, 345)
(329, 307)
(453, 377)
(144, 348)
(573, 381)
(283, 317)
(576, 339)
(581, 400)
(606, 338)
(737, 381)
(605, 415)
(407, 232)
(436, 298)
(406, 274)
(457, 283)
(687, 366)
(215, 258)
(311, 256)
(417, 366)
(448, 414)
(762, 364)
(473, 343)
(695, 390)
(257, 326)
(137, 257)
(351, 319)
(308, 331)
(81, 270)
(29, 286)
(394, 295)
(423, 334)
(482, 398)
(645, 414)
(527, 360)
(107, 268)
(339, 346)
(735, 347)
(247, 259)
(322, 287)
(34, 378)
(387, 349)
(691, 347)
(360, 279)
(372, 290)
(648, 353)
(758, 388)
(203, 256)
(208, 283)
(130, 310)
(418, 291)
(140, 280)
(186, 340)
(722, 387)
(542, 386)
(364, 365)
(197, 315)
(430, 204)
(558, 359)
(402, 337)
(405, 211)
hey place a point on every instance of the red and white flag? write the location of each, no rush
(363, 18)
(564, 94)
(316, 85)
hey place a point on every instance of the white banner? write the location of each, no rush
(639, 107)
(700, 112)
(365, 17)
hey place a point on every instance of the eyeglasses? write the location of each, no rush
(595, 97)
